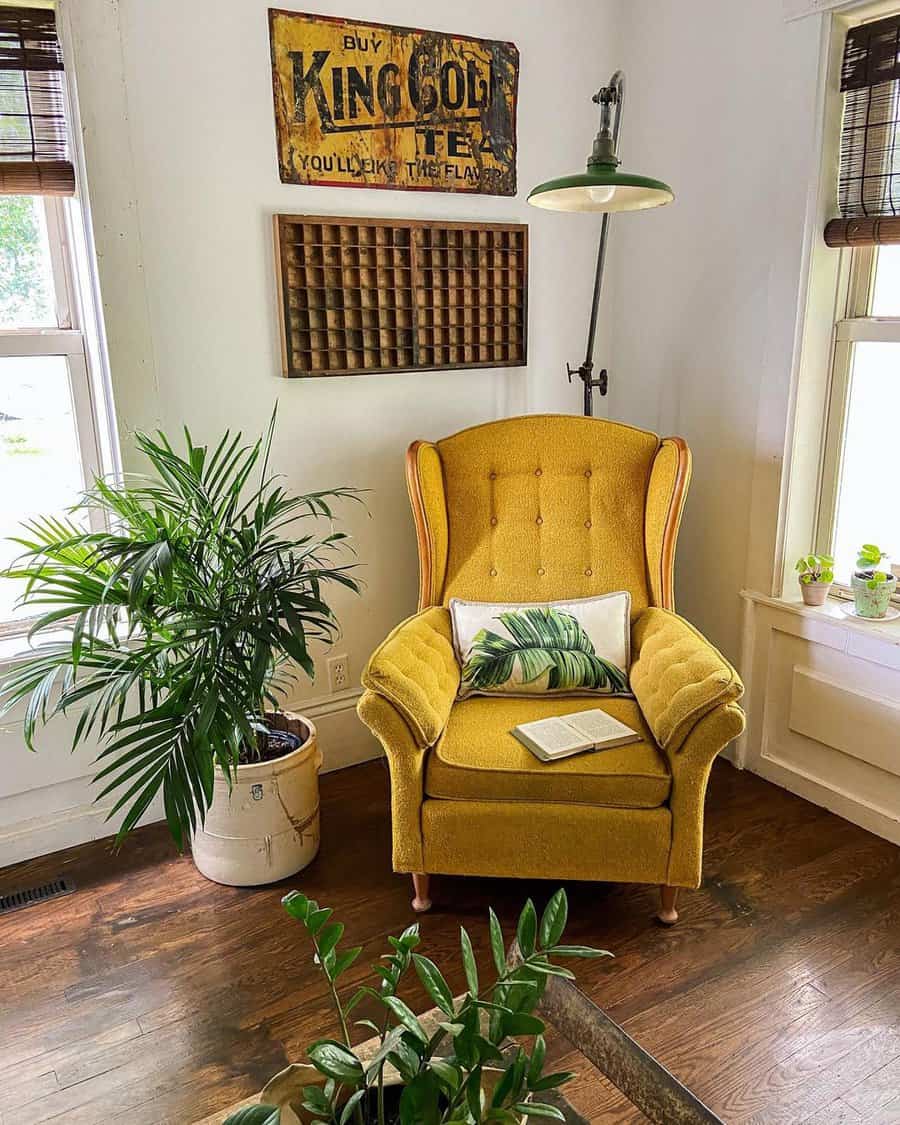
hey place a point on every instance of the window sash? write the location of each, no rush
(854, 325)
(70, 341)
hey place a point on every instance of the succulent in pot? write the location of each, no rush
(188, 597)
(461, 1064)
(815, 575)
(872, 587)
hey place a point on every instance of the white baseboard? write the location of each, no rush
(62, 816)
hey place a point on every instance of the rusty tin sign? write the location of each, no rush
(365, 105)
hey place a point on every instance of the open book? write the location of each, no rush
(564, 735)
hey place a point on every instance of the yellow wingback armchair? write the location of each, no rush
(542, 508)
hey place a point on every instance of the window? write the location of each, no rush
(50, 421)
(858, 501)
(857, 493)
(49, 448)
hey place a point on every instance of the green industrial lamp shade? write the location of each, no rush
(601, 188)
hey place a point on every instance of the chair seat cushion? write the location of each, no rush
(477, 759)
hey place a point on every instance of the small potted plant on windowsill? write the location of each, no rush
(182, 619)
(872, 588)
(816, 575)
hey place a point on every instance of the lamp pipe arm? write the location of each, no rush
(608, 98)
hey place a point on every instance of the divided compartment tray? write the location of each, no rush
(358, 296)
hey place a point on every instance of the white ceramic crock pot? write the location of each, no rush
(267, 827)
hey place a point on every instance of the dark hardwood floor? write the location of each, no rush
(152, 996)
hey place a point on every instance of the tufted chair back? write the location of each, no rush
(546, 507)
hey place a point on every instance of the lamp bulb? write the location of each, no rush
(601, 194)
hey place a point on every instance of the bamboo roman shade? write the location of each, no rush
(35, 157)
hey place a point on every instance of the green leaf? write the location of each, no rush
(336, 1061)
(449, 1075)
(520, 1023)
(344, 960)
(434, 984)
(352, 1102)
(297, 905)
(538, 1109)
(405, 1016)
(317, 919)
(536, 1063)
(255, 1115)
(473, 1093)
(328, 938)
(419, 1102)
(497, 947)
(551, 1081)
(578, 951)
(542, 640)
(526, 931)
(553, 920)
(468, 959)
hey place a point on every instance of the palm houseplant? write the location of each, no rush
(170, 635)
(872, 587)
(462, 1064)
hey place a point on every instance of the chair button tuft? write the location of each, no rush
(588, 572)
(493, 521)
(588, 524)
(541, 571)
(538, 472)
(492, 476)
(539, 521)
(493, 573)
(587, 472)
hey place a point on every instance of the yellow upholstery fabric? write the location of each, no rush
(539, 509)
(406, 761)
(477, 759)
(677, 676)
(545, 507)
(526, 840)
(416, 669)
(690, 773)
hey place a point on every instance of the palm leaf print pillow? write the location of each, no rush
(560, 648)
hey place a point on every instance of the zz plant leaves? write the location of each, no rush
(442, 1064)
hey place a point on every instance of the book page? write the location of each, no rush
(598, 726)
(554, 736)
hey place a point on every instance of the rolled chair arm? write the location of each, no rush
(677, 676)
(688, 693)
(411, 682)
(416, 670)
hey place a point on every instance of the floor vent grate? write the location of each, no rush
(30, 896)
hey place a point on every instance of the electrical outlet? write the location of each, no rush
(338, 673)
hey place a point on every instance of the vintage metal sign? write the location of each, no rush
(364, 105)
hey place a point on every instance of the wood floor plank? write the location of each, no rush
(156, 996)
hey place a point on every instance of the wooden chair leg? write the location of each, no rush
(421, 901)
(668, 896)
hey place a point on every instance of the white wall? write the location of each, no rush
(176, 105)
(720, 103)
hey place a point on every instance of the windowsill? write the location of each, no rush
(15, 646)
(831, 613)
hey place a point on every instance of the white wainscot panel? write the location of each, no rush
(824, 712)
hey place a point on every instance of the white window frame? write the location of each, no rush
(71, 340)
(853, 324)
